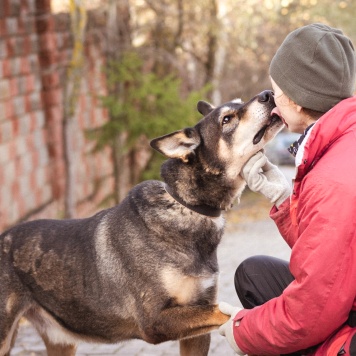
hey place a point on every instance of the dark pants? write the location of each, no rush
(261, 278)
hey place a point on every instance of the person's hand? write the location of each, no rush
(264, 177)
(227, 329)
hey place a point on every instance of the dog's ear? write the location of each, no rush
(204, 107)
(179, 144)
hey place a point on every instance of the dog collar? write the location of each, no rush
(200, 209)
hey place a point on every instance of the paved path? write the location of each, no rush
(249, 232)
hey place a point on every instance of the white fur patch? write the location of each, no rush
(185, 289)
(10, 302)
(219, 222)
(56, 334)
(107, 261)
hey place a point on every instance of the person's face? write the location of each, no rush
(291, 113)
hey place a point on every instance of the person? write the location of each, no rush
(306, 306)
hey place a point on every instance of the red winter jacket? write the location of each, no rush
(319, 224)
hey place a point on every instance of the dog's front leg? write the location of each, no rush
(184, 322)
(195, 346)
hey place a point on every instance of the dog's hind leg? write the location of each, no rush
(195, 346)
(58, 349)
(8, 332)
(12, 308)
(58, 341)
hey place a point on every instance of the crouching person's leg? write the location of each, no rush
(261, 278)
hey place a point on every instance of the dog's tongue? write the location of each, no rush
(275, 111)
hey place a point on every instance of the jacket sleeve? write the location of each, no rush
(281, 217)
(323, 262)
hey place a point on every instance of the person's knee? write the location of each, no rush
(249, 267)
(260, 278)
(245, 280)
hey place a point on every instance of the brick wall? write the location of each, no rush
(35, 47)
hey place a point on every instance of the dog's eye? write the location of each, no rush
(226, 119)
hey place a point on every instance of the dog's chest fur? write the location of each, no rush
(186, 289)
(172, 247)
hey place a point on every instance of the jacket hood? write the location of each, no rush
(332, 125)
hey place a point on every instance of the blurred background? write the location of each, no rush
(84, 86)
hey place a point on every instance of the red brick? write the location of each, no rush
(2, 27)
(29, 24)
(21, 26)
(3, 48)
(25, 65)
(50, 80)
(56, 138)
(9, 108)
(11, 151)
(37, 120)
(35, 101)
(43, 6)
(35, 159)
(20, 146)
(48, 58)
(19, 105)
(2, 180)
(14, 7)
(15, 190)
(34, 63)
(30, 82)
(15, 126)
(14, 88)
(6, 67)
(5, 88)
(29, 5)
(25, 124)
(45, 24)
(54, 113)
(10, 46)
(26, 84)
(6, 131)
(27, 44)
(47, 42)
(52, 97)
(11, 24)
(63, 57)
(27, 104)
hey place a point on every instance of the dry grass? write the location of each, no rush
(252, 207)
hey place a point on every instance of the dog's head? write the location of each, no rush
(227, 136)
(219, 145)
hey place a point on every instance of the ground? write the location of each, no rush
(249, 232)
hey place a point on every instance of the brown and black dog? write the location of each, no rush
(147, 268)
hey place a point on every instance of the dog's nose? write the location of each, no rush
(265, 96)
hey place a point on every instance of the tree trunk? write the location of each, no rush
(118, 42)
(71, 93)
(220, 55)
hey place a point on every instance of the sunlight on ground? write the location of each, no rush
(252, 207)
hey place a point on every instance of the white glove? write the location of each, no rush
(264, 177)
(227, 329)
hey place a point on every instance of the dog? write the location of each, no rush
(147, 268)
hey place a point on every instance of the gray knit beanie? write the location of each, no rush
(315, 67)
